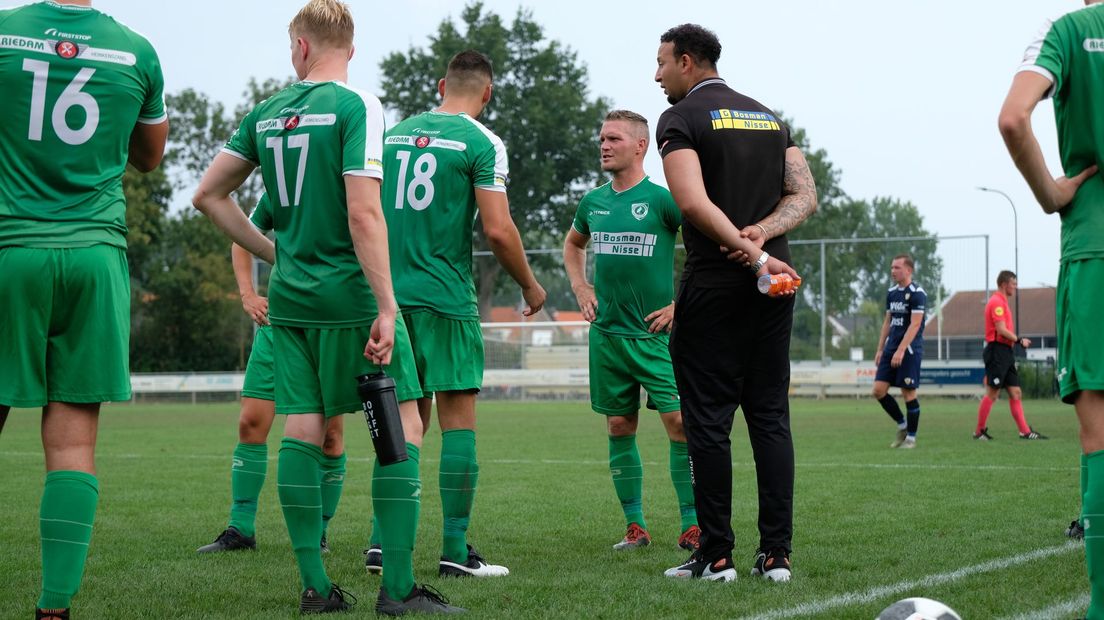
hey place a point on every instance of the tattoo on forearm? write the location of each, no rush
(799, 200)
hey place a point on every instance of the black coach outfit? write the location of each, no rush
(730, 344)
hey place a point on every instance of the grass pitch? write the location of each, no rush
(976, 525)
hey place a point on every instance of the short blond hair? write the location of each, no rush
(324, 22)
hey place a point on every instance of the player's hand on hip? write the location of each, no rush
(898, 357)
(381, 340)
(588, 302)
(662, 319)
(1066, 187)
(256, 308)
(534, 296)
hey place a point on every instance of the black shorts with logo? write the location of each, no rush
(1000, 366)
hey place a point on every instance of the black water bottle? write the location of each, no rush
(381, 412)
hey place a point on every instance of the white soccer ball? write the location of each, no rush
(918, 609)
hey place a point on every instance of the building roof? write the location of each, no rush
(963, 313)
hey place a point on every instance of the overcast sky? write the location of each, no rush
(903, 95)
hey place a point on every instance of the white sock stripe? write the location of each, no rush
(251, 460)
(396, 499)
(418, 480)
(300, 506)
(628, 478)
(298, 486)
(87, 525)
(855, 598)
(1063, 608)
(251, 473)
(456, 488)
(71, 542)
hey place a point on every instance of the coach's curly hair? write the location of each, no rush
(698, 42)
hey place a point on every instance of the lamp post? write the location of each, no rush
(1016, 246)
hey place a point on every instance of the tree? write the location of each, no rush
(541, 109)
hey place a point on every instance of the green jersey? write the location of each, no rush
(262, 214)
(305, 139)
(633, 236)
(75, 82)
(434, 164)
(1070, 53)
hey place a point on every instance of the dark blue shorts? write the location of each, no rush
(906, 376)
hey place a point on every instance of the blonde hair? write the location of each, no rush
(324, 22)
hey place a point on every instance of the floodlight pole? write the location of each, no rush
(1016, 242)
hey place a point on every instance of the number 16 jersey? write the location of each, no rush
(433, 163)
(74, 81)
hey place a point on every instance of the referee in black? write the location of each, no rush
(741, 184)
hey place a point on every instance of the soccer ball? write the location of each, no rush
(918, 609)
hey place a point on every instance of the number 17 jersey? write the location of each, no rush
(433, 163)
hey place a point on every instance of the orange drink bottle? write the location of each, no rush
(775, 285)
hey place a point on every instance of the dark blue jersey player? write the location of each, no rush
(900, 349)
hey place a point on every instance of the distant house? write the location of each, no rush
(575, 333)
(963, 327)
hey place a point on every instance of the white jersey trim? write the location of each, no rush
(375, 173)
(154, 121)
(238, 155)
(501, 165)
(373, 140)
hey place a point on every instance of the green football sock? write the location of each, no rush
(297, 482)
(65, 521)
(333, 479)
(1084, 486)
(680, 477)
(246, 479)
(397, 498)
(1092, 513)
(374, 540)
(628, 477)
(459, 475)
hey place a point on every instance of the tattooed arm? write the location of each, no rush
(799, 197)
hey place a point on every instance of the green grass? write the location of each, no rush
(866, 516)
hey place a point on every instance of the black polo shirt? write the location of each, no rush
(742, 147)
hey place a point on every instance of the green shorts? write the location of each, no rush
(259, 375)
(1080, 339)
(619, 367)
(316, 368)
(448, 352)
(64, 325)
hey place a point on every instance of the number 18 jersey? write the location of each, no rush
(74, 83)
(433, 163)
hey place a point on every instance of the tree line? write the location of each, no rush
(186, 314)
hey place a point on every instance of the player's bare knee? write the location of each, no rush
(672, 421)
(621, 425)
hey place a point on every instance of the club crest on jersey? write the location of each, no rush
(292, 122)
(907, 295)
(66, 49)
(640, 210)
(908, 380)
(421, 142)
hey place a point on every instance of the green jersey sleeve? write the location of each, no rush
(1048, 54)
(152, 111)
(672, 217)
(262, 214)
(243, 144)
(362, 136)
(491, 167)
(580, 223)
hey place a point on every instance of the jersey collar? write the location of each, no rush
(704, 83)
(627, 189)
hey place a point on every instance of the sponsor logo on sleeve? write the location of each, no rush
(999, 311)
(1093, 45)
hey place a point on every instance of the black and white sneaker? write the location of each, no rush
(373, 560)
(1075, 531)
(699, 568)
(52, 614)
(983, 435)
(422, 599)
(229, 540)
(311, 602)
(475, 566)
(773, 566)
(1031, 434)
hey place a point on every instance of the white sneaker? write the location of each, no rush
(909, 443)
(476, 566)
(697, 568)
(902, 434)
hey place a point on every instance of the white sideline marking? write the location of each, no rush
(855, 598)
(605, 463)
(1054, 611)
